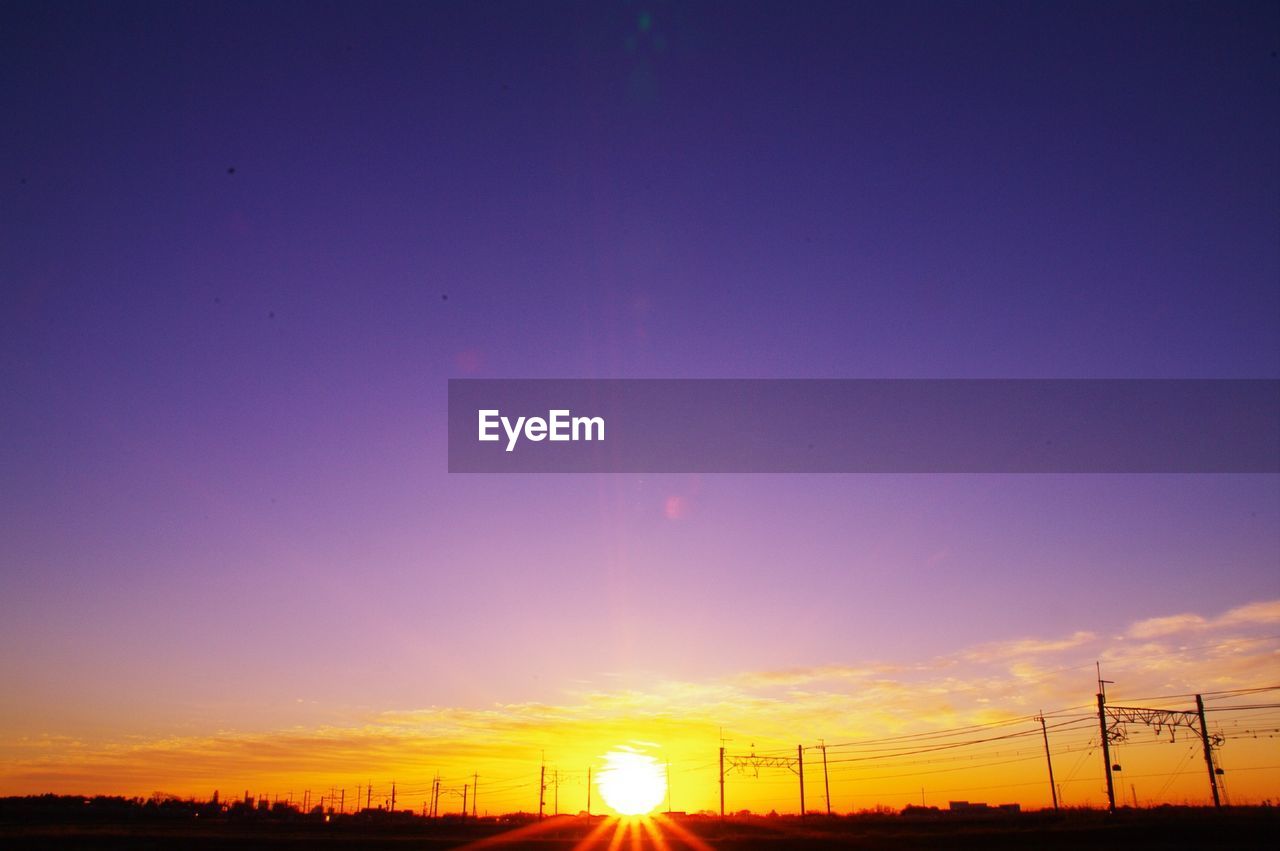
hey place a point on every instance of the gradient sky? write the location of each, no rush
(245, 246)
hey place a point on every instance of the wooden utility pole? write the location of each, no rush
(1106, 748)
(668, 787)
(588, 791)
(1208, 751)
(368, 796)
(1053, 789)
(800, 771)
(542, 790)
(826, 780)
(464, 800)
(722, 781)
(393, 796)
(475, 788)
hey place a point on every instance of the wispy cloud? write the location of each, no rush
(1252, 614)
(1028, 647)
(800, 676)
(1168, 625)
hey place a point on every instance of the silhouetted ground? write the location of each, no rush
(1255, 827)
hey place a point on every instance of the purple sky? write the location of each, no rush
(223, 454)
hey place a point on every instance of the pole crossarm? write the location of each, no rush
(1158, 719)
(751, 763)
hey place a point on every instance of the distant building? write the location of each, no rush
(981, 807)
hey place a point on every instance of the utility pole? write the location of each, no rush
(556, 811)
(542, 790)
(722, 781)
(1053, 788)
(800, 771)
(475, 788)
(668, 787)
(826, 781)
(368, 792)
(393, 796)
(1106, 751)
(342, 802)
(1106, 744)
(464, 800)
(588, 791)
(1208, 751)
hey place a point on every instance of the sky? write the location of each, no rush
(246, 245)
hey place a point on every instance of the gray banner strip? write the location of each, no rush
(864, 426)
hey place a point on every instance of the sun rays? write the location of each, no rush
(611, 833)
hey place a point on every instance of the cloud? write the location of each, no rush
(1168, 625)
(1258, 613)
(1028, 647)
(1263, 612)
(802, 675)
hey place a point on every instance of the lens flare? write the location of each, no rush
(631, 783)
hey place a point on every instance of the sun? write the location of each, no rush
(631, 783)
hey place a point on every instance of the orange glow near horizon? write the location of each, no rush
(1007, 765)
(963, 726)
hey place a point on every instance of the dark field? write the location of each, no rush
(1141, 829)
